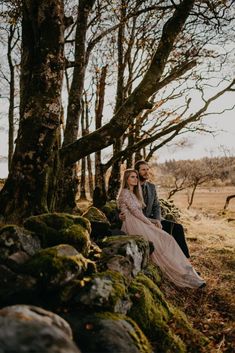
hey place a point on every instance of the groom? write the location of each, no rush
(153, 208)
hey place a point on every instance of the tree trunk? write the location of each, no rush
(99, 106)
(68, 177)
(12, 97)
(30, 186)
(228, 200)
(115, 175)
(83, 180)
(90, 176)
(190, 201)
(83, 167)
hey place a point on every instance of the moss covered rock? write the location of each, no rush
(110, 209)
(132, 247)
(100, 226)
(108, 332)
(14, 239)
(107, 291)
(58, 267)
(167, 328)
(95, 215)
(169, 210)
(61, 228)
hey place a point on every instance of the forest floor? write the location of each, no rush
(211, 240)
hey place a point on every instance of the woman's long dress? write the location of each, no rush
(167, 254)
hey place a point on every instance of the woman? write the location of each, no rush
(167, 254)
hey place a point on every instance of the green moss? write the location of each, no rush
(61, 228)
(152, 272)
(53, 266)
(111, 300)
(110, 209)
(124, 239)
(151, 312)
(77, 236)
(135, 332)
(95, 215)
(166, 326)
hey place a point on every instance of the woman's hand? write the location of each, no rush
(122, 216)
(158, 224)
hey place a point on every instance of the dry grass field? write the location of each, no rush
(211, 239)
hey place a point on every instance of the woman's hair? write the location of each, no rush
(137, 188)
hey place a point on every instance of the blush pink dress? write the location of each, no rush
(167, 254)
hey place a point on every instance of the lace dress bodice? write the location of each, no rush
(128, 202)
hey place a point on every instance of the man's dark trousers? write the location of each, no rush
(177, 231)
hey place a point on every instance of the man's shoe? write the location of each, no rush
(202, 285)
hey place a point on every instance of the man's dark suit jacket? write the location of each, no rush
(153, 208)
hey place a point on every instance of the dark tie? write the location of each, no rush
(145, 193)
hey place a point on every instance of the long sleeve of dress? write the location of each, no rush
(128, 202)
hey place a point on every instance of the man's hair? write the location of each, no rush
(139, 163)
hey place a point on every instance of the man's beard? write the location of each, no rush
(142, 178)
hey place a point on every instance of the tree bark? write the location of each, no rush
(12, 97)
(30, 184)
(228, 198)
(100, 94)
(68, 177)
(114, 179)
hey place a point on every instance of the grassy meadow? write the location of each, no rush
(211, 238)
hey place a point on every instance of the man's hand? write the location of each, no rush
(158, 224)
(122, 216)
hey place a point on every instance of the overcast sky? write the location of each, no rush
(200, 145)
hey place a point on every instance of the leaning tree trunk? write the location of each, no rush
(228, 198)
(35, 163)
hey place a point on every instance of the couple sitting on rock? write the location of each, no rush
(141, 214)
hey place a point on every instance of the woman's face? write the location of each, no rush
(132, 180)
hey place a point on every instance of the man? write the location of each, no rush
(153, 208)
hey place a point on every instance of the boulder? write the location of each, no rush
(110, 209)
(132, 248)
(107, 291)
(15, 287)
(100, 226)
(35, 313)
(26, 336)
(17, 245)
(169, 211)
(58, 269)
(108, 333)
(61, 228)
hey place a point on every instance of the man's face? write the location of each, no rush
(144, 172)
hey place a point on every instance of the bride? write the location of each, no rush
(167, 254)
